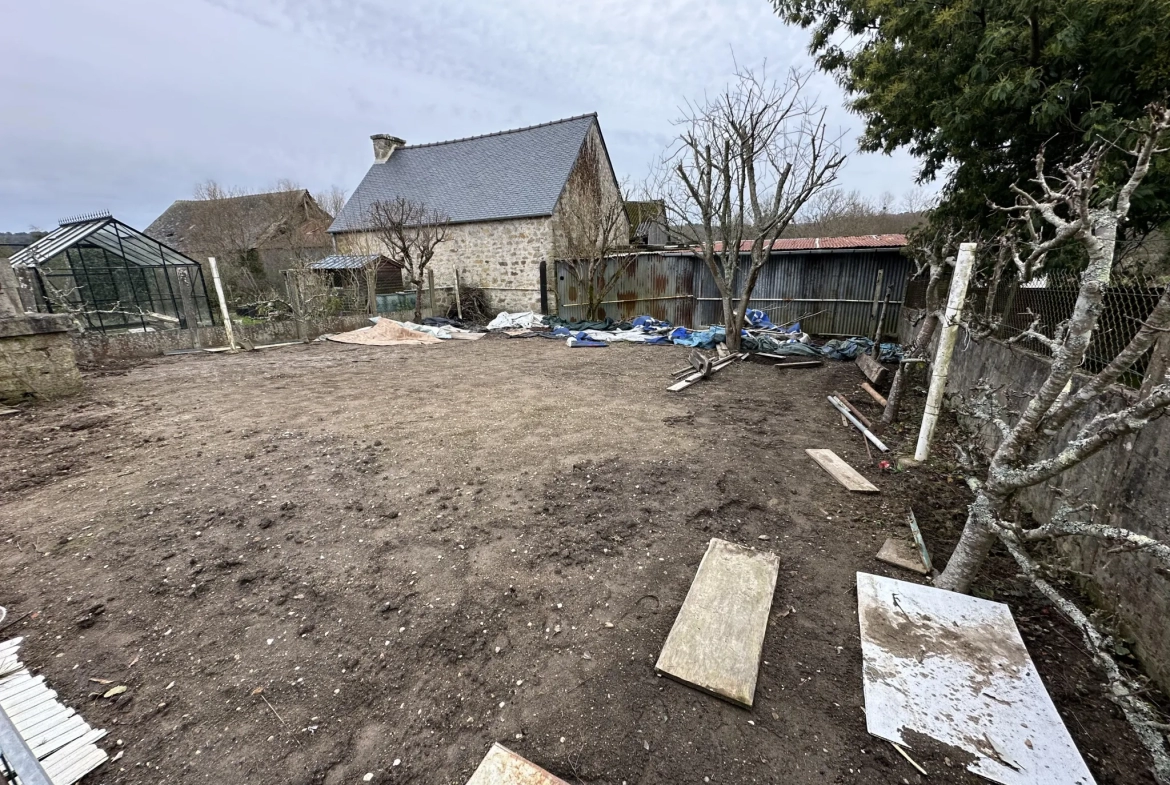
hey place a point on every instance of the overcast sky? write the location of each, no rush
(126, 104)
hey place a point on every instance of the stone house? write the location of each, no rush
(253, 237)
(508, 197)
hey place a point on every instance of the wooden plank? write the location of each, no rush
(718, 635)
(695, 377)
(94, 757)
(923, 553)
(873, 370)
(800, 364)
(35, 691)
(52, 740)
(954, 668)
(881, 399)
(841, 471)
(501, 766)
(901, 554)
(11, 645)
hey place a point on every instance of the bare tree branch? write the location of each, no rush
(410, 232)
(745, 163)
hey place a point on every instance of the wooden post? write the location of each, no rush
(881, 321)
(877, 293)
(187, 302)
(292, 285)
(431, 286)
(227, 318)
(458, 303)
(964, 266)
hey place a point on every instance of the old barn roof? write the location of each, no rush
(252, 221)
(510, 174)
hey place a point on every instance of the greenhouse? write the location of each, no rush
(110, 277)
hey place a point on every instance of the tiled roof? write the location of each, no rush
(857, 241)
(510, 174)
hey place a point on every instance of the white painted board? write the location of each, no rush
(954, 668)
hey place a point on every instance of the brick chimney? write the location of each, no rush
(384, 146)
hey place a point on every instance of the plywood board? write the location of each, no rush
(901, 554)
(717, 638)
(954, 668)
(501, 766)
(873, 370)
(841, 471)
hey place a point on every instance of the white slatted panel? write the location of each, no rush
(57, 735)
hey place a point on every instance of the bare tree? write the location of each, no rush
(594, 229)
(1079, 205)
(332, 200)
(410, 232)
(744, 164)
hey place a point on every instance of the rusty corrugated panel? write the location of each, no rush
(837, 286)
(655, 285)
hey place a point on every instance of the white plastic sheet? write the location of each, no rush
(954, 668)
(509, 321)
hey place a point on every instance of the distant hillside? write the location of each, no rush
(853, 225)
(11, 242)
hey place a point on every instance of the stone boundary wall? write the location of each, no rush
(1128, 484)
(96, 348)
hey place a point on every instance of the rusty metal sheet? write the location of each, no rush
(954, 668)
(501, 766)
(681, 290)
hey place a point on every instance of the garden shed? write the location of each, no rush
(364, 280)
(110, 277)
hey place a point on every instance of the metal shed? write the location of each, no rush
(111, 277)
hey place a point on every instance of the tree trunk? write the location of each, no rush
(418, 299)
(898, 386)
(730, 324)
(978, 536)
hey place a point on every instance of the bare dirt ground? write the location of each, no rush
(323, 561)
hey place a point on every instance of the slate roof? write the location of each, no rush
(255, 220)
(510, 174)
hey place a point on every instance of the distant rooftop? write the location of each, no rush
(858, 242)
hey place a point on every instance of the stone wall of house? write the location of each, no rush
(577, 203)
(36, 359)
(501, 257)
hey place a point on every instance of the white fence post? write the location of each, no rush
(227, 319)
(964, 266)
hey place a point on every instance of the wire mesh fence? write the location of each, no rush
(1015, 310)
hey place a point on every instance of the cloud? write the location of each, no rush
(127, 105)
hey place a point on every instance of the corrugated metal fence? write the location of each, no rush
(831, 292)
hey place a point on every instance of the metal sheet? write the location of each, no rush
(954, 668)
(680, 289)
